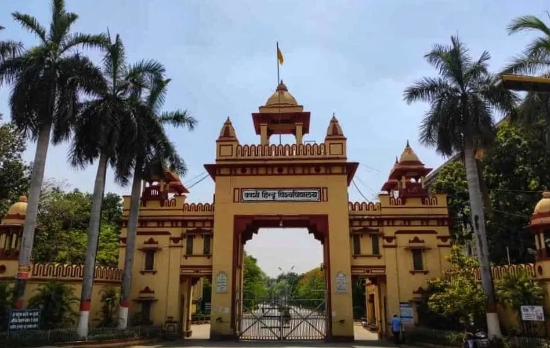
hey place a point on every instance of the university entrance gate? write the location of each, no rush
(395, 245)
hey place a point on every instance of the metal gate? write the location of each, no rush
(283, 319)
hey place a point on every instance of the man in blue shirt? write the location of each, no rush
(395, 324)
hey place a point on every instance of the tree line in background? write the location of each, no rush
(308, 287)
(515, 172)
(111, 113)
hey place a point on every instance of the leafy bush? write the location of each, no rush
(109, 307)
(6, 292)
(56, 301)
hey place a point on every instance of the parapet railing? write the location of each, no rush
(67, 271)
(281, 151)
(499, 272)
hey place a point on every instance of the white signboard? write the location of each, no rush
(532, 313)
(281, 195)
(341, 283)
(406, 312)
(221, 283)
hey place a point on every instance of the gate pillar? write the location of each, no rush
(222, 321)
(340, 309)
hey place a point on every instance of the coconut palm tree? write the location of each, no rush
(148, 154)
(9, 48)
(535, 60)
(460, 119)
(46, 83)
(97, 133)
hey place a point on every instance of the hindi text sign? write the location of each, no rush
(532, 313)
(221, 283)
(281, 195)
(341, 283)
(24, 319)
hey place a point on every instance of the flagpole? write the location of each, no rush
(277, 59)
(278, 93)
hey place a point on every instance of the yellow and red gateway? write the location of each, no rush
(396, 244)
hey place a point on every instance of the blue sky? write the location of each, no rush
(350, 57)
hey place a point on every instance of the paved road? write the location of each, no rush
(363, 338)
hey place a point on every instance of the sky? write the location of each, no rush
(353, 58)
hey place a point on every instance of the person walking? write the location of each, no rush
(395, 324)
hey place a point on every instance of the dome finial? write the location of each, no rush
(408, 143)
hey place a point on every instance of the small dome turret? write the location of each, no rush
(543, 206)
(17, 212)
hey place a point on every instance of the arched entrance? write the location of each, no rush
(280, 316)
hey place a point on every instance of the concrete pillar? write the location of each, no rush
(264, 138)
(186, 296)
(299, 133)
(341, 310)
(221, 326)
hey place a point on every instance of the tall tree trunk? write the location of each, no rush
(130, 246)
(91, 249)
(39, 164)
(478, 224)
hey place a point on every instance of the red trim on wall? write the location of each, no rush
(153, 233)
(416, 232)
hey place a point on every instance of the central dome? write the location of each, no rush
(281, 97)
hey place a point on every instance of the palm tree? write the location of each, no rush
(109, 304)
(56, 301)
(535, 60)
(518, 289)
(148, 154)
(462, 100)
(9, 48)
(97, 133)
(47, 81)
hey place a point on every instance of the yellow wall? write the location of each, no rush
(108, 278)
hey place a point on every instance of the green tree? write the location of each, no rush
(63, 220)
(148, 152)
(451, 180)
(518, 289)
(15, 174)
(254, 280)
(312, 287)
(515, 171)
(535, 60)
(56, 301)
(47, 81)
(460, 120)
(457, 293)
(9, 48)
(109, 307)
(6, 293)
